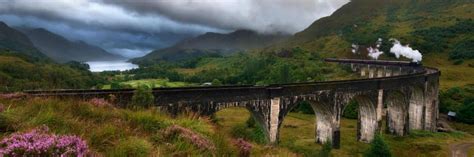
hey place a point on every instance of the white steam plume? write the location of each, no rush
(374, 53)
(405, 50)
(379, 42)
(355, 48)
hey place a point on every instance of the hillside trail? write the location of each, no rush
(460, 149)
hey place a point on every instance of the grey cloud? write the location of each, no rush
(133, 27)
(266, 16)
(114, 41)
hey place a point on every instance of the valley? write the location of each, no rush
(142, 79)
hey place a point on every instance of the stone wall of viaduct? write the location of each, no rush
(405, 92)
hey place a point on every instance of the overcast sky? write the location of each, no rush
(134, 27)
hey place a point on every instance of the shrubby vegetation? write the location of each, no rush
(259, 69)
(466, 112)
(304, 107)
(326, 150)
(378, 148)
(435, 39)
(143, 97)
(21, 73)
(460, 100)
(352, 110)
(453, 98)
(251, 131)
(39, 142)
(132, 133)
(463, 50)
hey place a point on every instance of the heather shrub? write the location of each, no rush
(176, 132)
(243, 146)
(132, 146)
(12, 96)
(143, 97)
(39, 142)
(99, 102)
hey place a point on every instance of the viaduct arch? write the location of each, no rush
(408, 90)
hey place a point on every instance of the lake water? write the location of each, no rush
(99, 66)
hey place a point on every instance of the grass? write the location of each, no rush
(155, 83)
(107, 130)
(122, 132)
(451, 75)
(471, 152)
(463, 127)
(297, 135)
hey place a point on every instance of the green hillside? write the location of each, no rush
(20, 72)
(443, 31)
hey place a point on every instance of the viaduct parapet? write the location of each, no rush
(406, 93)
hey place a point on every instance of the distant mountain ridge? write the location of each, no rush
(61, 49)
(212, 43)
(17, 42)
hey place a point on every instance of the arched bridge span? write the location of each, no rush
(407, 93)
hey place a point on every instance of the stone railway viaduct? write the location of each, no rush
(406, 93)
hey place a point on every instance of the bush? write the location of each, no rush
(466, 113)
(304, 107)
(243, 146)
(132, 146)
(250, 122)
(178, 132)
(255, 134)
(378, 148)
(143, 97)
(351, 110)
(326, 151)
(39, 143)
(463, 50)
(216, 82)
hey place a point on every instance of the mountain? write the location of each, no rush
(212, 43)
(15, 41)
(443, 31)
(61, 49)
(431, 26)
